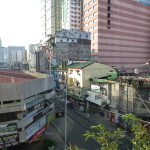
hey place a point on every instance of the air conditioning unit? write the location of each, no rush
(20, 116)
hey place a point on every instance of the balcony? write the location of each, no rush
(29, 118)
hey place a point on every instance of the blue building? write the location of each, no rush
(145, 2)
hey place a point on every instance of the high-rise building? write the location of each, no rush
(120, 34)
(15, 54)
(0, 42)
(51, 17)
(72, 14)
(2, 54)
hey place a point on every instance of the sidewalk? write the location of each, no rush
(97, 119)
(53, 134)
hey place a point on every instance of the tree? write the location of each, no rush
(111, 140)
(74, 147)
(141, 140)
(108, 140)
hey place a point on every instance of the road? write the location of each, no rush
(77, 125)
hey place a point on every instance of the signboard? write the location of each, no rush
(8, 128)
(9, 140)
(51, 117)
(42, 122)
(95, 88)
(50, 95)
(32, 129)
(36, 135)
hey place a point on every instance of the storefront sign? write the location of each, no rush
(51, 117)
(10, 140)
(42, 122)
(36, 135)
(8, 128)
(31, 130)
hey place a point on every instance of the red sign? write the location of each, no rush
(36, 135)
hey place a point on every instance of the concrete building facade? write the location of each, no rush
(0, 42)
(15, 54)
(2, 54)
(25, 106)
(120, 34)
(51, 17)
(72, 44)
(72, 14)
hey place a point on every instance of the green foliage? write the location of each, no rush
(48, 143)
(53, 44)
(54, 66)
(74, 147)
(141, 140)
(108, 140)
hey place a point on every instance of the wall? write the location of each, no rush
(94, 70)
(122, 30)
(119, 95)
(2, 49)
(22, 90)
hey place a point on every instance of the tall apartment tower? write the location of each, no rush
(51, 17)
(120, 33)
(72, 14)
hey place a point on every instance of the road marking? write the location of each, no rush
(70, 119)
(56, 127)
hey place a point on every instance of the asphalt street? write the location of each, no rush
(78, 123)
(76, 127)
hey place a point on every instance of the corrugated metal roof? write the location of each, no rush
(14, 76)
(80, 65)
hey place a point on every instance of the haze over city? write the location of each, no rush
(20, 22)
(74, 72)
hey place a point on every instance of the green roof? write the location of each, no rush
(80, 64)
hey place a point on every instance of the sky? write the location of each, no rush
(20, 22)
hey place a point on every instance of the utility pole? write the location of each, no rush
(127, 97)
(66, 114)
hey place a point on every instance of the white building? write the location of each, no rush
(0, 42)
(51, 14)
(72, 14)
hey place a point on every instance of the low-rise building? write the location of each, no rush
(25, 106)
(79, 84)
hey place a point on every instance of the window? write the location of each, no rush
(95, 6)
(108, 8)
(108, 1)
(108, 22)
(108, 15)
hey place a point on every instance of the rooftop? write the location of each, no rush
(79, 65)
(14, 76)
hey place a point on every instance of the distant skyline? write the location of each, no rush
(20, 22)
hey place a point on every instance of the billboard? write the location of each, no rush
(31, 130)
(9, 140)
(8, 128)
(51, 117)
